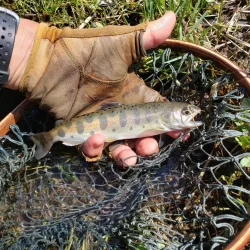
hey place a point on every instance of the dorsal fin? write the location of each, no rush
(106, 105)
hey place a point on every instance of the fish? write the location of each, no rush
(125, 121)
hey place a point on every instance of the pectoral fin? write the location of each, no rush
(109, 139)
(72, 143)
(151, 132)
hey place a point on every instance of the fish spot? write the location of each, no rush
(112, 113)
(92, 132)
(89, 118)
(103, 121)
(131, 128)
(123, 118)
(79, 127)
(136, 113)
(61, 132)
(113, 130)
(148, 114)
(167, 116)
(68, 124)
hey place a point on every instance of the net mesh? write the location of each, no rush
(191, 195)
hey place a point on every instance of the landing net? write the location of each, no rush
(191, 195)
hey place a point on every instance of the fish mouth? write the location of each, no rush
(192, 122)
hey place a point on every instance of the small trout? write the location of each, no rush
(120, 122)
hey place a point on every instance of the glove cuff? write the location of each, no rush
(30, 65)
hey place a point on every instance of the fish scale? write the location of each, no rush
(120, 122)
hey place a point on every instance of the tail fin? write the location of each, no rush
(44, 142)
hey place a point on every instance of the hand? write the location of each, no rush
(47, 74)
(156, 33)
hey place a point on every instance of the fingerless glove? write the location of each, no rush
(72, 71)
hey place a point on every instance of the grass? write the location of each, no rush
(220, 25)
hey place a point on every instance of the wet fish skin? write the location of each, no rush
(120, 122)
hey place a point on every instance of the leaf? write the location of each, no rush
(244, 142)
(245, 162)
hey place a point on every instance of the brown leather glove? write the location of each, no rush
(72, 71)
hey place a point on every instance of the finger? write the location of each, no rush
(185, 137)
(176, 134)
(146, 146)
(124, 156)
(159, 30)
(94, 145)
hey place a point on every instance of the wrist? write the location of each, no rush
(22, 48)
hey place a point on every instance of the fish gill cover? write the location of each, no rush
(191, 195)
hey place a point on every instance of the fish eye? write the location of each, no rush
(185, 111)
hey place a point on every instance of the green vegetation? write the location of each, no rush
(220, 25)
(73, 13)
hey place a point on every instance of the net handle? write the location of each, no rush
(14, 116)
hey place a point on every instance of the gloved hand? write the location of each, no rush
(70, 72)
(73, 71)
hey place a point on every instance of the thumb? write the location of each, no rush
(159, 30)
